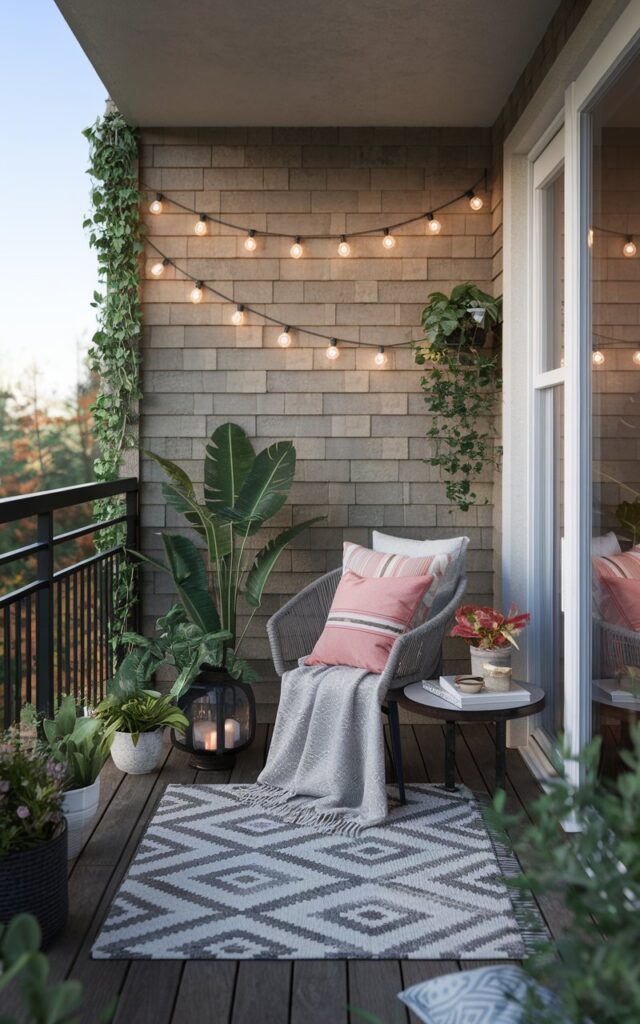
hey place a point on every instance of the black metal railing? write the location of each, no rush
(55, 624)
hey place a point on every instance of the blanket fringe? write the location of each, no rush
(269, 798)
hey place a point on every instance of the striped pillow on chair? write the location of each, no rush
(375, 565)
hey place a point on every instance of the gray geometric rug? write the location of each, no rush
(214, 878)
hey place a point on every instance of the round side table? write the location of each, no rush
(422, 702)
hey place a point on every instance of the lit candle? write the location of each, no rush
(205, 735)
(231, 732)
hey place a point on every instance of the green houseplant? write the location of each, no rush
(33, 836)
(461, 344)
(242, 492)
(136, 718)
(81, 746)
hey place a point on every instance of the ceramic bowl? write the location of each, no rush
(469, 684)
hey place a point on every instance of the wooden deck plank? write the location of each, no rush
(150, 992)
(374, 987)
(319, 992)
(431, 743)
(206, 992)
(263, 992)
(415, 971)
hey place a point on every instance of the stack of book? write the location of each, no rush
(610, 690)
(447, 690)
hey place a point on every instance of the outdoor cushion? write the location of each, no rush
(489, 995)
(365, 619)
(623, 566)
(374, 564)
(623, 606)
(454, 546)
(608, 544)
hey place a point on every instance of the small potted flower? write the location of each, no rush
(491, 635)
(81, 745)
(33, 837)
(136, 718)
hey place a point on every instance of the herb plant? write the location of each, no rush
(129, 708)
(78, 744)
(461, 335)
(30, 796)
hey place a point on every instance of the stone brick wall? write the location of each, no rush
(359, 431)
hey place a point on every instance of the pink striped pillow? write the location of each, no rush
(625, 566)
(376, 564)
(365, 619)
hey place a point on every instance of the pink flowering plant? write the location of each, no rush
(487, 628)
(31, 790)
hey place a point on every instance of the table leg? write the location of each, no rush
(450, 757)
(501, 753)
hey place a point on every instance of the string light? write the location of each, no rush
(629, 248)
(475, 202)
(238, 316)
(296, 248)
(381, 357)
(156, 205)
(388, 241)
(333, 351)
(158, 268)
(284, 339)
(250, 243)
(344, 249)
(434, 226)
(597, 358)
(196, 292)
(636, 357)
(200, 226)
(590, 238)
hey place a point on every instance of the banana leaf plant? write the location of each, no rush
(242, 491)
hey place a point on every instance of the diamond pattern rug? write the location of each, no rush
(215, 878)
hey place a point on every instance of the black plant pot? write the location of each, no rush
(34, 882)
(222, 719)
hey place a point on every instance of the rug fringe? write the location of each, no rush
(275, 800)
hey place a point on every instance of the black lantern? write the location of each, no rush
(222, 719)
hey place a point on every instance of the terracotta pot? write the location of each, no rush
(80, 807)
(142, 758)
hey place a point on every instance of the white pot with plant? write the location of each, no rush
(81, 745)
(490, 634)
(136, 719)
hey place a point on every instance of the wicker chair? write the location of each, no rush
(614, 648)
(417, 654)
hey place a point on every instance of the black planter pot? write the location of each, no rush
(34, 882)
(222, 719)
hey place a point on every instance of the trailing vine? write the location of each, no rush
(462, 334)
(114, 232)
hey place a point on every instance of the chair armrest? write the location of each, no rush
(416, 652)
(294, 629)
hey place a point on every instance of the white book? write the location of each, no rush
(615, 694)
(516, 694)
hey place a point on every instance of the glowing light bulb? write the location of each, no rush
(434, 226)
(629, 248)
(590, 238)
(475, 202)
(344, 249)
(636, 357)
(333, 351)
(200, 226)
(250, 243)
(381, 357)
(388, 241)
(284, 339)
(238, 316)
(158, 268)
(597, 358)
(296, 248)
(156, 205)
(196, 292)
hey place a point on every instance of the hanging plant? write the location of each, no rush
(114, 232)
(462, 339)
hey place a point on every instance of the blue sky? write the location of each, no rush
(49, 93)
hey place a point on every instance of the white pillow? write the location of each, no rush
(454, 546)
(608, 544)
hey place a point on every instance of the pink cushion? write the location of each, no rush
(623, 605)
(624, 566)
(365, 619)
(376, 564)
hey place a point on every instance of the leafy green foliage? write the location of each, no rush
(114, 232)
(77, 743)
(242, 491)
(30, 796)
(596, 872)
(140, 711)
(461, 386)
(628, 515)
(21, 962)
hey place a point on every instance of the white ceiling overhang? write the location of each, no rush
(179, 63)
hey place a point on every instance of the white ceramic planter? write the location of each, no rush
(80, 807)
(142, 758)
(498, 656)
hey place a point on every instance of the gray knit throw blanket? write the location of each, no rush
(326, 761)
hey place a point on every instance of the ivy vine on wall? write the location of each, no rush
(462, 346)
(114, 233)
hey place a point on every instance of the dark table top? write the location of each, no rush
(415, 698)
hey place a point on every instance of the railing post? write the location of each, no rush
(132, 544)
(44, 616)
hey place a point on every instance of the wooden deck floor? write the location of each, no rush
(261, 992)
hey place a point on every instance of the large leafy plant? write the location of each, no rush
(462, 331)
(593, 966)
(79, 744)
(130, 708)
(242, 491)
